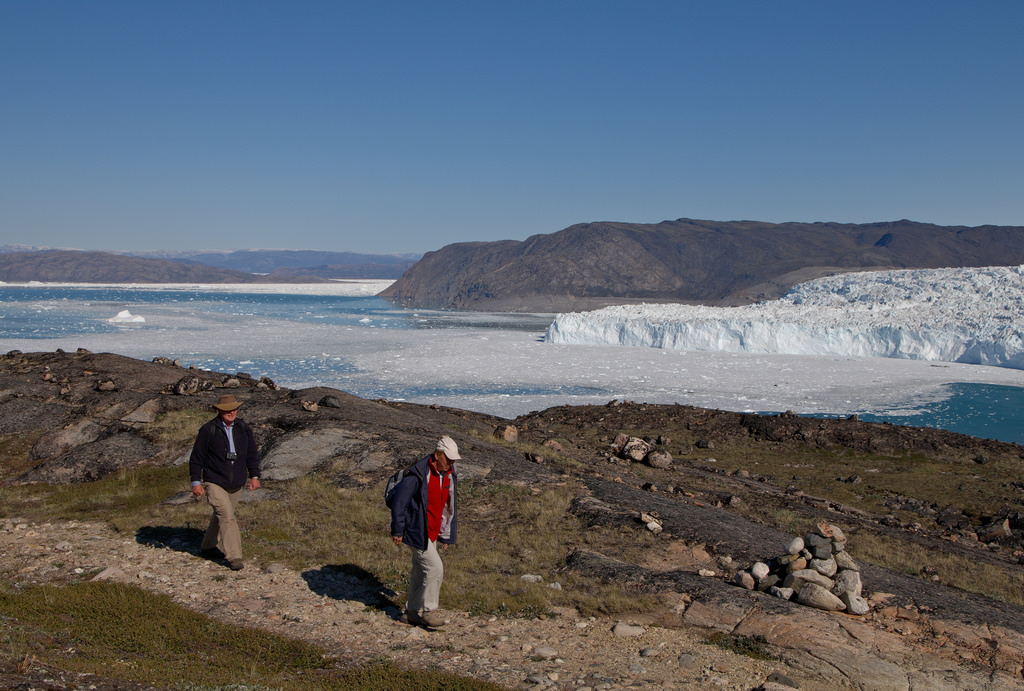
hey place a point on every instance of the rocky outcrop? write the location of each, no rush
(83, 433)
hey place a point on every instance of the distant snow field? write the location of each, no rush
(347, 287)
(971, 316)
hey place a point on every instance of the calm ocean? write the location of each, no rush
(205, 326)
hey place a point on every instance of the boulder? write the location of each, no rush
(625, 630)
(635, 449)
(855, 604)
(744, 580)
(845, 562)
(798, 564)
(799, 579)
(994, 530)
(826, 567)
(818, 597)
(759, 570)
(847, 581)
(658, 458)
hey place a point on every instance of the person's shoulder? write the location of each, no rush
(420, 468)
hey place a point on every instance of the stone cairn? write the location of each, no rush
(816, 571)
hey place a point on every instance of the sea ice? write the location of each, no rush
(471, 361)
(126, 317)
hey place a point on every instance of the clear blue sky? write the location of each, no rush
(379, 126)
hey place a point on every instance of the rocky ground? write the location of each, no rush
(330, 609)
(894, 647)
(918, 634)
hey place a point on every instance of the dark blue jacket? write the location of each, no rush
(209, 462)
(409, 509)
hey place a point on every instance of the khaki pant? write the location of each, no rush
(223, 532)
(425, 579)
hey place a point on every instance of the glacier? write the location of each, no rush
(965, 315)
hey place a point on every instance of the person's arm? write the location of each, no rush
(404, 494)
(451, 513)
(195, 461)
(252, 458)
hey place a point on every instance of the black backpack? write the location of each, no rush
(392, 486)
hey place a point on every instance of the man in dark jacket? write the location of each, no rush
(423, 514)
(224, 459)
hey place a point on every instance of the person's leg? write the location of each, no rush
(229, 539)
(414, 598)
(425, 586)
(433, 574)
(211, 539)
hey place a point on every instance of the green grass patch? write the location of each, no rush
(177, 427)
(124, 499)
(125, 633)
(755, 647)
(968, 574)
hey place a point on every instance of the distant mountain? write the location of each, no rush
(25, 263)
(72, 266)
(298, 263)
(592, 265)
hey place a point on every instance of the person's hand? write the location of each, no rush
(397, 539)
(254, 483)
(198, 490)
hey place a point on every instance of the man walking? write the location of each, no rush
(224, 459)
(423, 514)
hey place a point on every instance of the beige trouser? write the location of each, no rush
(223, 530)
(425, 579)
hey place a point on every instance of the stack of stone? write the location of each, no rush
(816, 571)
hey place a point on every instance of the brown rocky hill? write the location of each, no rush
(713, 495)
(72, 266)
(591, 265)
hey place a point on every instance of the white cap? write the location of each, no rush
(449, 448)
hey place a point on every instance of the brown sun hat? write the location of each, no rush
(227, 404)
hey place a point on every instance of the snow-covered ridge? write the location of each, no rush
(971, 315)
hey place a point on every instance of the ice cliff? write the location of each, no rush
(973, 316)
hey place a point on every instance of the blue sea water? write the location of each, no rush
(49, 312)
(987, 411)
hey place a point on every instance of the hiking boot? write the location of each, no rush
(236, 565)
(212, 553)
(427, 619)
(432, 619)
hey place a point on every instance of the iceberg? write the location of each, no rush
(126, 317)
(965, 315)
